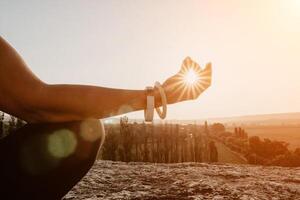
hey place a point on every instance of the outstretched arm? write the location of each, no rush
(77, 102)
(24, 95)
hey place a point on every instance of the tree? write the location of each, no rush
(218, 128)
(255, 145)
(145, 141)
(213, 152)
(206, 131)
(127, 138)
(110, 146)
(268, 152)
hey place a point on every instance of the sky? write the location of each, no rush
(254, 47)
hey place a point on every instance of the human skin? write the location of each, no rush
(25, 96)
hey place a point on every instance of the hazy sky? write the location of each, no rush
(254, 47)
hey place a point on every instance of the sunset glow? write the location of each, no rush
(150, 99)
(133, 48)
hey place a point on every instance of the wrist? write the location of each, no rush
(157, 98)
(149, 110)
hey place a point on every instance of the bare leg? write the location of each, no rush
(44, 161)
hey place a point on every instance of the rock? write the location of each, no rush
(118, 180)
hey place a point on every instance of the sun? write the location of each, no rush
(191, 77)
(191, 81)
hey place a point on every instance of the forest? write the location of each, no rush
(168, 142)
(257, 150)
(158, 143)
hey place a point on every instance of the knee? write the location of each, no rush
(92, 137)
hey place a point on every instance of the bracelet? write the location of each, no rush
(162, 114)
(149, 111)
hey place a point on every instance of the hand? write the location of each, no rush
(179, 88)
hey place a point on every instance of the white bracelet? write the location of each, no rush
(162, 114)
(149, 111)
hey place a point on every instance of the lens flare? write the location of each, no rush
(191, 77)
(91, 130)
(62, 143)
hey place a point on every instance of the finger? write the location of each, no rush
(196, 67)
(207, 71)
(185, 64)
(188, 64)
(208, 67)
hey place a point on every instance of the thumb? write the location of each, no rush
(208, 69)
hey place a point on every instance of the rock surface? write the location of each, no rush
(118, 180)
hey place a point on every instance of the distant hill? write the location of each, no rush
(263, 119)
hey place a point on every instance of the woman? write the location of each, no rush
(45, 160)
(25, 96)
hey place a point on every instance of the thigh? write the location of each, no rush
(44, 161)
